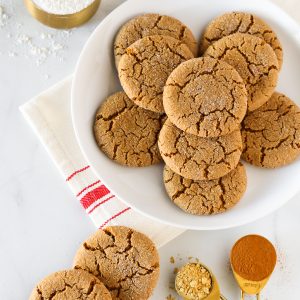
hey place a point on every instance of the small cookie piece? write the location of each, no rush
(70, 284)
(205, 97)
(198, 158)
(206, 197)
(125, 260)
(127, 133)
(152, 24)
(254, 59)
(240, 22)
(145, 67)
(271, 134)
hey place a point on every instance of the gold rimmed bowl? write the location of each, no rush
(62, 21)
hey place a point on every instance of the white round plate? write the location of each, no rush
(142, 188)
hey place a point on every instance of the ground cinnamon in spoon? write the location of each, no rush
(253, 257)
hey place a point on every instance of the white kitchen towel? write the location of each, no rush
(49, 114)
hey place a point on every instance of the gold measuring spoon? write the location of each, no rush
(250, 287)
(214, 292)
(261, 251)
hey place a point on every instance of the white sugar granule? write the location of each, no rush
(63, 7)
(23, 38)
(12, 54)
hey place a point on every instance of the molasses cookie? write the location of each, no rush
(127, 133)
(254, 59)
(271, 134)
(145, 67)
(205, 97)
(71, 284)
(206, 197)
(198, 158)
(240, 22)
(125, 260)
(152, 24)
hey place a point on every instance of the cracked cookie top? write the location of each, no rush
(71, 284)
(152, 24)
(241, 22)
(206, 197)
(125, 260)
(145, 67)
(127, 133)
(254, 59)
(271, 134)
(198, 158)
(205, 97)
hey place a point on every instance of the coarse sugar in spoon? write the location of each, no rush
(195, 281)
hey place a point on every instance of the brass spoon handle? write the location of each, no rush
(221, 298)
(242, 296)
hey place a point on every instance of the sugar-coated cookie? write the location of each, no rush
(240, 22)
(271, 134)
(152, 24)
(125, 260)
(206, 197)
(71, 284)
(254, 59)
(145, 67)
(205, 97)
(127, 133)
(198, 158)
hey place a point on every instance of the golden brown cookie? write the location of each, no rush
(127, 133)
(70, 284)
(145, 67)
(198, 158)
(271, 134)
(206, 197)
(254, 59)
(152, 24)
(241, 22)
(125, 260)
(205, 97)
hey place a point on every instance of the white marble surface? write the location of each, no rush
(41, 224)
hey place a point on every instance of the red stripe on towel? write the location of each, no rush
(102, 202)
(87, 187)
(114, 217)
(77, 172)
(92, 196)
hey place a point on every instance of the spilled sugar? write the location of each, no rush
(3, 16)
(23, 42)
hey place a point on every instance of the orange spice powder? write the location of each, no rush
(253, 257)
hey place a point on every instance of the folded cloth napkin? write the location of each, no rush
(49, 115)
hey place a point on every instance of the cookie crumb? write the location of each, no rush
(170, 297)
(172, 260)
(175, 270)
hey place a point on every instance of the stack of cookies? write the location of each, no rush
(115, 263)
(200, 115)
(147, 49)
(271, 127)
